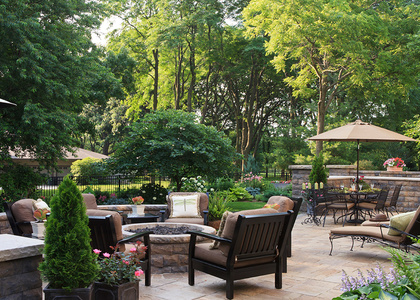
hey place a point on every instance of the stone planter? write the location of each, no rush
(38, 230)
(60, 294)
(125, 291)
(138, 209)
(394, 169)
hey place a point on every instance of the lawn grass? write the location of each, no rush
(244, 205)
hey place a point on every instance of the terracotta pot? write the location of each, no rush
(215, 224)
(394, 169)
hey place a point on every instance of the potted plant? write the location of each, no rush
(394, 164)
(69, 264)
(118, 276)
(138, 208)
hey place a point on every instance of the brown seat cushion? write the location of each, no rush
(90, 201)
(230, 225)
(284, 202)
(367, 231)
(22, 211)
(216, 256)
(115, 216)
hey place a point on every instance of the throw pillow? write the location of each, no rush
(185, 206)
(40, 204)
(400, 222)
(215, 244)
(273, 206)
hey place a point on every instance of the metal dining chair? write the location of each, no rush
(377, 206)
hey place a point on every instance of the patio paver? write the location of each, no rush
(312, 273)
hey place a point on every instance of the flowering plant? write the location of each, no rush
(252, 180)
(193, 184)
(138, 200)
(376, 284)
(119, 267)
(394, 162)
(360, 179)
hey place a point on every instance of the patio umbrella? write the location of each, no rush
(4, 103)
(360, 132)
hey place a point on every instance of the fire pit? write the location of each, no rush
(169, 251)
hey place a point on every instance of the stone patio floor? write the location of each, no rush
(312, 273)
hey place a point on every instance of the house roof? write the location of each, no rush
(78, 154)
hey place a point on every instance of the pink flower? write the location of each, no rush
(96, 251)
(138, 273)
(134, 249)
(126, 262)
(106, 254)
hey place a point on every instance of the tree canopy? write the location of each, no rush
(172, 143)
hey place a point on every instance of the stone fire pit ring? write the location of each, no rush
(169, 253)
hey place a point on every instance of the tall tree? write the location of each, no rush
(49, 68)
(360, 45)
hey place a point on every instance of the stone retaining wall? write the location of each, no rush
(409, 195)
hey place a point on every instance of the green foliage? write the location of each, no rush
(239, 194)
(253, 181)
(366, 165)
(241, 205)
(50, 69)
(153, 193)
(89, 167)
(273, 191)
(193, 184)
(318, 172)
(222, 184)
(171, 143)
(69, 262)
(19, 182)
(218, 204)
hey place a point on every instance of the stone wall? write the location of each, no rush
(409, 198)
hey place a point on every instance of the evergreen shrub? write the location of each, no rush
(69, 262)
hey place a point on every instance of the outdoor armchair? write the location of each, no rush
(391, 206)
(252, 244)
(20, 215)
(383, 233)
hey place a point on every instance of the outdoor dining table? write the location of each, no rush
(356, 197)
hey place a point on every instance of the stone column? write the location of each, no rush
(19, 261)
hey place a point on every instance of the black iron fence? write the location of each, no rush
(276, 174)
(104, 183)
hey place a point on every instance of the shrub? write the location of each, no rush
(222, 184)
(69, 262)
(273, 191)
(89, 167)
(218, 204)
(318, 172)
(239, 193)
(193, 184)
(253, 191)
(153, 193)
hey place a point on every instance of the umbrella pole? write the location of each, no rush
(357, 167)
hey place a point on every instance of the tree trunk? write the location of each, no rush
(321, 111)
(156, 79)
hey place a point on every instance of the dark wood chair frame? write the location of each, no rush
(12, 221)
(392, 206)
(406, 244)
(103, 235)
(251, 241)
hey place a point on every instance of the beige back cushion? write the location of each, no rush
(184, 206)
(90, 201)
(284, 202)
(22, 211)
(203, 200)
(115, 216)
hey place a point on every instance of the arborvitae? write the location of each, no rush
(69, 262)
(318, 172)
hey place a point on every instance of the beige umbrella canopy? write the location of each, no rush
(360, 132)
(4, 103)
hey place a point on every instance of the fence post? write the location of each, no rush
(119, 182)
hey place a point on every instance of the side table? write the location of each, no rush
(146, 218)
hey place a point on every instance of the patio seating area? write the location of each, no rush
(311, 273)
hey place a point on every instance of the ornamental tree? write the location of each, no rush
(172, 143)
(69, 262)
